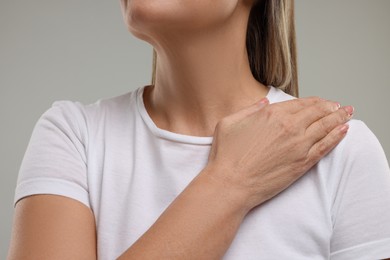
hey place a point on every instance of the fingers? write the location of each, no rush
(295, 105)
(249, 110)
(325, 145)
(311, 114)
(321, 128)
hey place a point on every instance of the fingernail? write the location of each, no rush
(263, 101)
(349, 110)
(337, 106)
(344, 128)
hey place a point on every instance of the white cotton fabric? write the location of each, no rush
(111, 157)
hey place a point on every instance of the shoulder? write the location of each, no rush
(72, 112)
(359, 138)
(359, 134)
(361, 145)
(359, 193)
(73, 118)
(107, 104)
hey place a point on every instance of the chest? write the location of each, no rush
(129, 192)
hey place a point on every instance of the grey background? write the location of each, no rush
(81, 50)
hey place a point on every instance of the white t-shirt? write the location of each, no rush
(110, 156)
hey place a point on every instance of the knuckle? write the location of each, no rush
(343, 116)
(327, 107)
(335, 119)
(287, 126)
(314, 158)
(333, 106)
(269, 111)
(322, 148)
(317, 99)
(324, 109)
(324, 126)
(299, 102)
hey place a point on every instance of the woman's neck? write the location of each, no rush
(201, 78)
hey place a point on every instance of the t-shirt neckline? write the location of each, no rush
(176, 137)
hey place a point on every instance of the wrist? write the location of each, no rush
(225, 189)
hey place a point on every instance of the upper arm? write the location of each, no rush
(53, 216)
(361, 211)
(52, 227)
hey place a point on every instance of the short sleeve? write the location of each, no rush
(361, 226)
(55, 160)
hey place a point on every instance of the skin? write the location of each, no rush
(203, 72)
(204, 88)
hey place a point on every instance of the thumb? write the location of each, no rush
(258, 105)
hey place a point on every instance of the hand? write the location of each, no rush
(264, 148)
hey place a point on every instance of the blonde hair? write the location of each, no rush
(271, 45)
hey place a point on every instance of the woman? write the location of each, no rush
(213, 160)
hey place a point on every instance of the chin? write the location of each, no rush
(145, 14)
(155, 16)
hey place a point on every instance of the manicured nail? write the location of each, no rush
(336, 107)
(349, 110)
(264, 100)
(344, 128)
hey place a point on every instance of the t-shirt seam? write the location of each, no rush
(24, 182)
(162, 133)
(75, 127)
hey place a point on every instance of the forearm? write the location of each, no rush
(199, 224)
